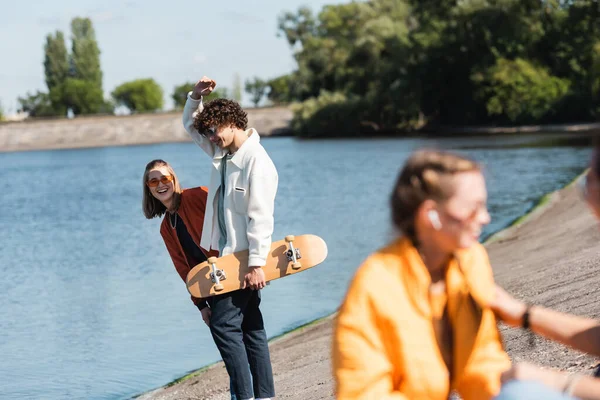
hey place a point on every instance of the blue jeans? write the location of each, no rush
(529, 390)
(236, 325)
(231, 391)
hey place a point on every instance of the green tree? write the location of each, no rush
(219, 93)
(1, 112)
(74, 80)
(82, 91)
(83, 97)
(140, 95)
(257, 88)
(180, 93)
(571, 52)
(56, 60)
(37, 105)
(85, 54)
(56, 69)
(297, 27)
(520, 92)
(281, 89)
(413, 62)
(329, 113)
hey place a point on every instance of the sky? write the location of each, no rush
(170, 41)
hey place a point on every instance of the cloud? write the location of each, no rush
(186, 34)
(199, 58)
(241, 17)
(51, 21)
(105, 17)
(97, 17)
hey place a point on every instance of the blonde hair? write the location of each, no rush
(426, 175)
(150, 205)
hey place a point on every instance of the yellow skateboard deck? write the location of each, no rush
(225, 274)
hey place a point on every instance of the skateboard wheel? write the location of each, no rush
(218, 287)
(212, 260)
(296, 265)
(289, 238)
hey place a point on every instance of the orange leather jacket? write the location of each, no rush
(191, 210)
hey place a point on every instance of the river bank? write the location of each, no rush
(151, 128)
(549, 257)
(110, 130)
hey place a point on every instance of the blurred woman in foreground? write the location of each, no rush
(414, 323)
(525, 381)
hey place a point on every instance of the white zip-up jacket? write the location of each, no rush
(250, 189)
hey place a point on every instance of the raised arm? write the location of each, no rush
(193, 105)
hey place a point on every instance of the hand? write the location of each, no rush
(507, 308)
(206, 313)
(528, 372)
(255, 279)
(203, 87)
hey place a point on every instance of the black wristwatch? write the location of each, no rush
(525, 323)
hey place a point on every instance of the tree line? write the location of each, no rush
(383, 66)
(74, 81)
(398, 65)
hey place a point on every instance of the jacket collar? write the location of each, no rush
(458, 283)
(238, 157)
(252, 141)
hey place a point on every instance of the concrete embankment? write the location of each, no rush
(98, 131)
(551, 257)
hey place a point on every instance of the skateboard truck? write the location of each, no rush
(217, 275)
(293, 254)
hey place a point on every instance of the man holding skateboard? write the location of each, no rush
(239, 216)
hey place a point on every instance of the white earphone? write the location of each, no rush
(434, 218)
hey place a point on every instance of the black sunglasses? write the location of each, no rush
(209, 132)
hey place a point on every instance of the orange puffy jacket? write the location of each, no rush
(384, 342)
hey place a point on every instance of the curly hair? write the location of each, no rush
(219, 113)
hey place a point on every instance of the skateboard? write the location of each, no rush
(225, 274)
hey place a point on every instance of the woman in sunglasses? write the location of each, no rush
(414, 324)
(181, 227)
(526, 381)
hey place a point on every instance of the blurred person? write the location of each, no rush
(414, 323)
(526, 381)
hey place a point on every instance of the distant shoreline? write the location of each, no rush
(127, 130)
(166, 127)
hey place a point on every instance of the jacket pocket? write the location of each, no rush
(240, 200)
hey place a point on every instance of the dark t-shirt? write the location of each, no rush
(192, 251)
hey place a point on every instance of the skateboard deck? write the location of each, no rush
(225, 274)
